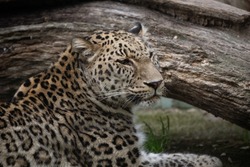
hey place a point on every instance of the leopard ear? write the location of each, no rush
(83, 47)
(138, 29)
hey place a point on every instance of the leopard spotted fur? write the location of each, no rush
(79, 111)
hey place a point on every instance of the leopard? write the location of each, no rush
(79, 111)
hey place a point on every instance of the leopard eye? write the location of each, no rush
(125, 62)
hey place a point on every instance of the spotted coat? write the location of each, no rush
(79, 111)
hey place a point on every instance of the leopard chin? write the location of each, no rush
(149, 101)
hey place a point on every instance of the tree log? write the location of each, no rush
(208, 67)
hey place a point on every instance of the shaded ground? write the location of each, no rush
(201, 133)
(232, 153)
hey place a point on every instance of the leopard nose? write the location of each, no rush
(154, 84)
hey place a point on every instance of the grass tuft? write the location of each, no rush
(157, 142)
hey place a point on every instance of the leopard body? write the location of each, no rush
(79, 111)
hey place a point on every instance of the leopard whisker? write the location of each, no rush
(106, 96)
(114, 90)
(130, 99)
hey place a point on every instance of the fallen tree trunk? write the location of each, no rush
(206, 67)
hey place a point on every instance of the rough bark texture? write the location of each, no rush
(208, 67)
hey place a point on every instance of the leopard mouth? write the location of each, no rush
(150, 100)
(153, 98)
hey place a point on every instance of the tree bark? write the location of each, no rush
(208, 67)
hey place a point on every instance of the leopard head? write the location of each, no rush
(119, 67)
